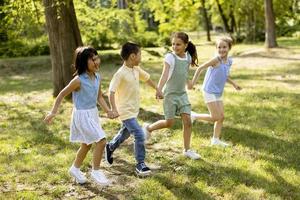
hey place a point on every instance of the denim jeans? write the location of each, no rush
(130, 126)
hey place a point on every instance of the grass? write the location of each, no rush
(262, 122)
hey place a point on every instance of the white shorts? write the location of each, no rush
(208, 97)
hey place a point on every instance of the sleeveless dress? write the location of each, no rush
(85, 124)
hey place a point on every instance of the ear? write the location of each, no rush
(132, 56)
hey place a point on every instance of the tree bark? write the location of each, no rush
(206, 19)
(224, 19)
(122, 4)
(64, 38)
(270, 40)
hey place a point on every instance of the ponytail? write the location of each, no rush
(191, 48)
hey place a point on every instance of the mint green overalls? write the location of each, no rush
(175, 97)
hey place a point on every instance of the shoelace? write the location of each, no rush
(143, 165)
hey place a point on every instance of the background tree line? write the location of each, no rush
(108, 23)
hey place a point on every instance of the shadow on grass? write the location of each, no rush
(275, 147)
(40, 133)
(182, 190)
(217, 175)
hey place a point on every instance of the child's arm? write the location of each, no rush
(112, 103)
(236, 86)
(201, 68)
(103, 104)
(158, 94)
(163, 79)
(73, 85)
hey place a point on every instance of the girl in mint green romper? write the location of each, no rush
(173, 83)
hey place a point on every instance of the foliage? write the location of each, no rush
(148, 22)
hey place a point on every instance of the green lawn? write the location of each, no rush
(262, 122)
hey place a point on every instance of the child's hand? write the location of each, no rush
(115, 114)
(237, 87)
(159, 94)
(49, 118)
(110, 114)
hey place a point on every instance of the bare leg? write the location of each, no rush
(219, 123)
(160, 124)
(187, 130)
(97, 154)
(81, 154)
(214, 111)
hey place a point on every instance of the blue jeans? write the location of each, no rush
(130, 126)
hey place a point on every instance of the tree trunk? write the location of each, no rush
(122, 4)
(224, 19)
(270, 41)
(206, 20)
(232, 19)
(3, 32)
(64, 38)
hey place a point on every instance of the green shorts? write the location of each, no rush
(176, 105)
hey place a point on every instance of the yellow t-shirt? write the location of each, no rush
(125, 84)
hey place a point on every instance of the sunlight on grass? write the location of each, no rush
(261, 123)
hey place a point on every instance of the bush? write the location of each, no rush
(18, 48)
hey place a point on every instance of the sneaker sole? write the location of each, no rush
(76, 180)
(142, 174)
(101, 184)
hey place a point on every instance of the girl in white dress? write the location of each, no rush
(85, 127)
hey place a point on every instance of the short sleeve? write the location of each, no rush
(115, 81)
(169, 58)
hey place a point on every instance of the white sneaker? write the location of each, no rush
(146, 132)
(218, 142)
(193, 116)
(77, 174)
(99, 177)
(191, 154)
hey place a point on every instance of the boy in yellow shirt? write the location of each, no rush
(124, 99)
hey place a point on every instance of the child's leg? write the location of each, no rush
(98, 152)
(81, 154)
(122, 135)
(219, 120)
(187, 130)
(168, 123)
(214, 110)
(139, 138)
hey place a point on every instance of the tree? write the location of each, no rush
(224, 19)
(270, 40)
(64, 37)
(206, 20)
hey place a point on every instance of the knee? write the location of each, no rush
(169, 123)
(101, 142)
(139, 135)
(188, 123)
(218, 118)
(86, 147)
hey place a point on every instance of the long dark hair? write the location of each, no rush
(191, 48)
(80, 60)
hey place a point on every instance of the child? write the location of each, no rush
(213, 85)
(85, 127)
(174, 79)
(124, 100)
